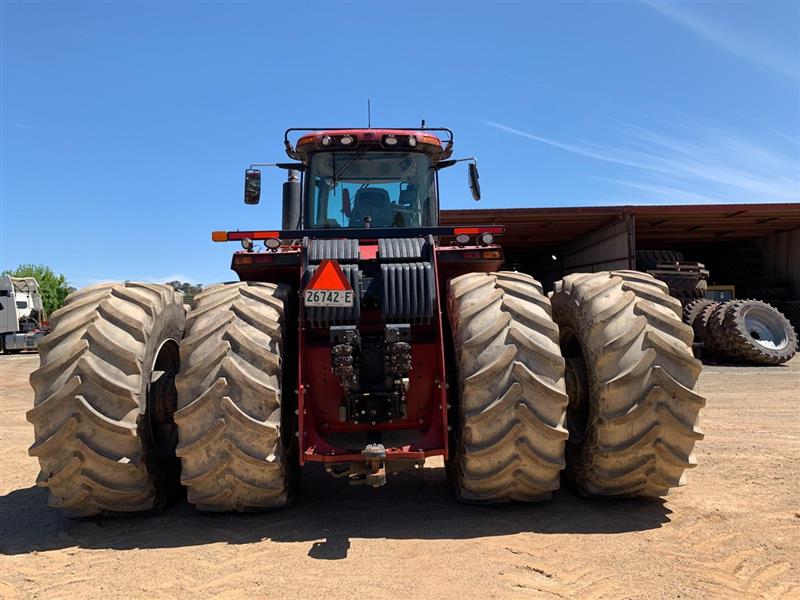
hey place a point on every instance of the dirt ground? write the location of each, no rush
(732, 532)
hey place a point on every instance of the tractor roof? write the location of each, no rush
(392, 139)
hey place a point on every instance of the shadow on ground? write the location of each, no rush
(328, 513)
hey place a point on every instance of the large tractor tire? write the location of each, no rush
(104, 398)
(631, 377)
(755, 333)
(715, 342)
(232, 446)
(700, 322)
(508, 442)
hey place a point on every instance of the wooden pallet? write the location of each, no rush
(690, 270)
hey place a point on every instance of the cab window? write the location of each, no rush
(379, 189)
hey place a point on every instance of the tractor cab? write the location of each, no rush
(372, 178)
(363, 178)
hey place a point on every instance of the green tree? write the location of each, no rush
(52, 287)
(188, 290)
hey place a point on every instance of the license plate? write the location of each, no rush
(330, 298)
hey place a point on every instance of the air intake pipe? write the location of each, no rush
(291, 201)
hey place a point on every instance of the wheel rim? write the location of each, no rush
(576, 380)
(764, 327)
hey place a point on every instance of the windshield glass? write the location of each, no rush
(390, 189)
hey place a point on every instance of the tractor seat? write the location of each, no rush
(408, 196)
(374, 203)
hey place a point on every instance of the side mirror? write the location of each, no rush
(474, 184)
(252, 186)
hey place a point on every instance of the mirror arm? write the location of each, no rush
(290, 152)
(449, 163)
(287, 166)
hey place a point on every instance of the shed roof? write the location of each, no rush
(687, 222)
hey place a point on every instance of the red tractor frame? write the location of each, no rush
(421, 428)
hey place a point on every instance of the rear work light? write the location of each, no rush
(232, 236)
(478, 230)
(464, 254)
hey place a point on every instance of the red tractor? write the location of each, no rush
(364, 336)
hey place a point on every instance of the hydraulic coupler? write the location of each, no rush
(345, 351)
(398, 350)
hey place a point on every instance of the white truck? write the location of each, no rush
(21, 314)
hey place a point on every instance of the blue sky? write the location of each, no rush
(126, 126)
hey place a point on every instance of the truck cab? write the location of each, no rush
(21, 314)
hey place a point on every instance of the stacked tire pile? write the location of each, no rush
(686, 281)
(744, 331)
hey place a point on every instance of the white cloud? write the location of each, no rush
(24, 126)
(692, 163)
(740, 43)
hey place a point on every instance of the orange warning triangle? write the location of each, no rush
(329, 276)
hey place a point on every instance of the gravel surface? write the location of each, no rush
(732, 532)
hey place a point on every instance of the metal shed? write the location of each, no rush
(737, 242)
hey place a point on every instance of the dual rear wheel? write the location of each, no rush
(131, 393)
(598, 379)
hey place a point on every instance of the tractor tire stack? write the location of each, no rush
(694, 309)
(742, 331)
(686, 280)
(770, 289)
(685, 289)
(650, 259)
